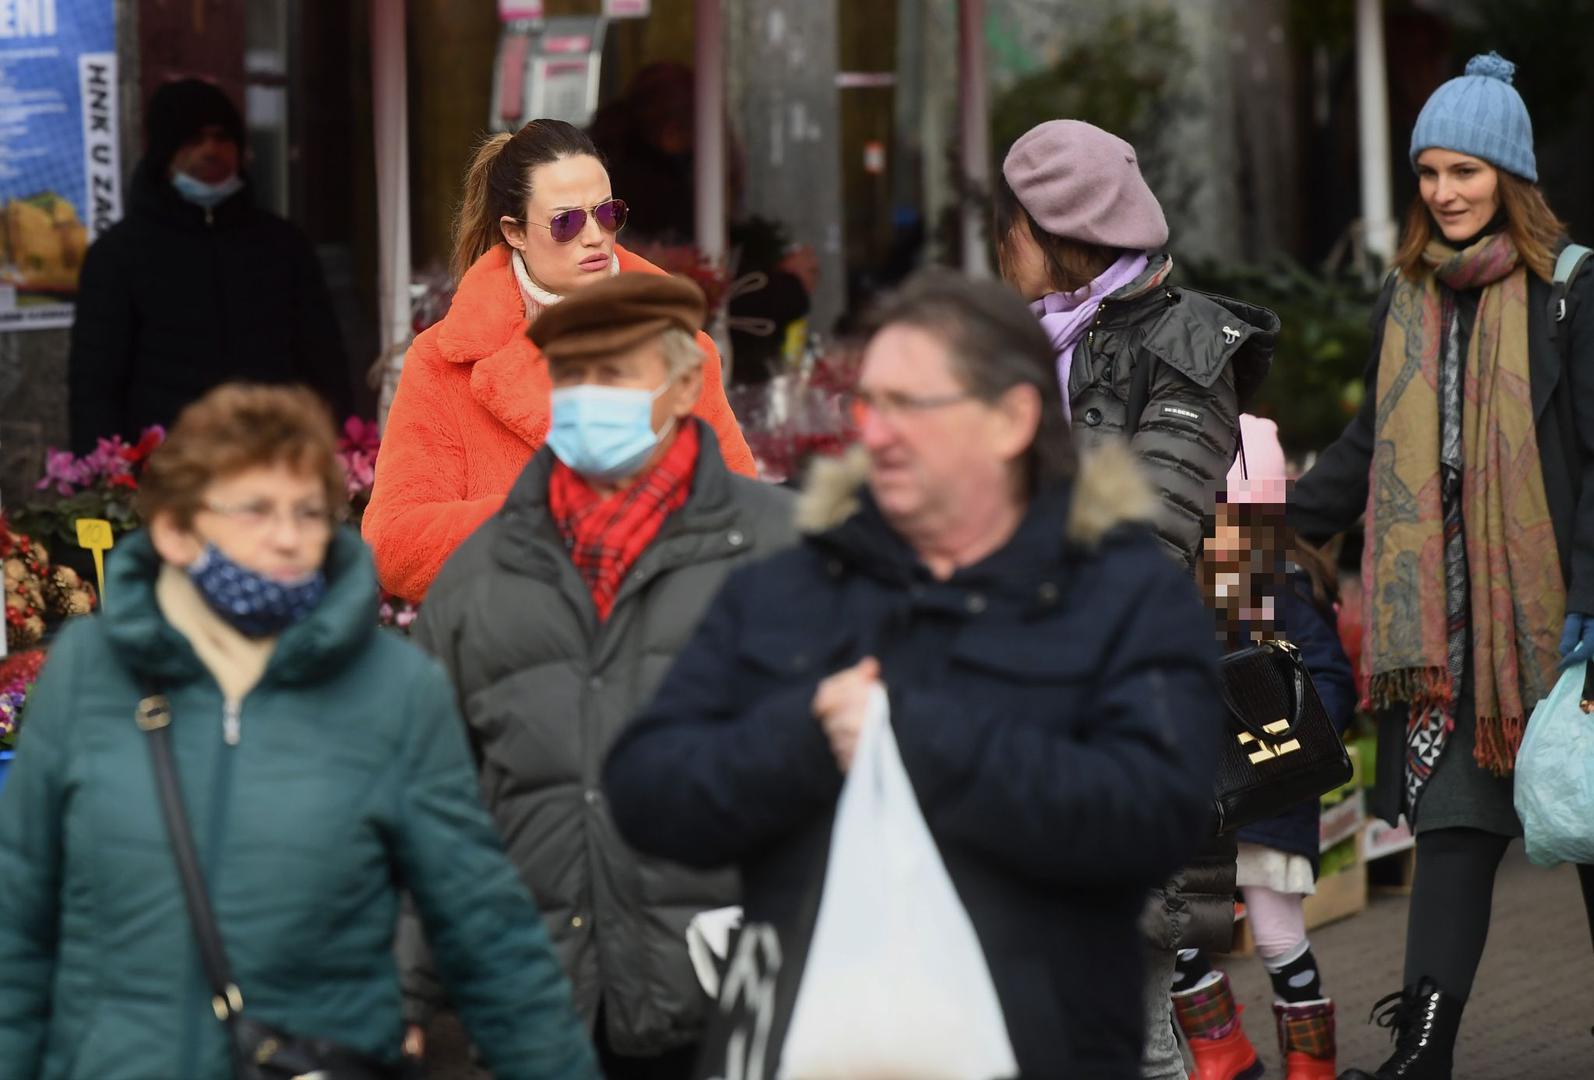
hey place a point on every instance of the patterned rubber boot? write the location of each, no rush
(1424, 1021)
(1210, 1021)
(1306, 1039)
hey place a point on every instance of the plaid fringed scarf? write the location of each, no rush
(1458, 523)
(607, 534)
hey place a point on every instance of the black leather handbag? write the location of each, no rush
(259, 1051)
(1280, 748)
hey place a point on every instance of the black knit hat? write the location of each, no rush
(180, 110)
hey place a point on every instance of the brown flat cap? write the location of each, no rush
(617, 314)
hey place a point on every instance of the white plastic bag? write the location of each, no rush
(895, 985)
(1555, 776)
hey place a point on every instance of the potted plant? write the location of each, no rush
(100, 484)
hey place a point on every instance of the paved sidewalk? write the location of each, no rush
(1532, 1005)
(1530, 1012)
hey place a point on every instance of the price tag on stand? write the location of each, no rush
(95, 534)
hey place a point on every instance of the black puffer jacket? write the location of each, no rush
(1205, 356)
(175, 300)
(546, 688)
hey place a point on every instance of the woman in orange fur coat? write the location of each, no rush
(538, 220)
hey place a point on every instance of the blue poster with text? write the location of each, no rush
(60, 168)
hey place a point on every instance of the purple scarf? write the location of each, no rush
(1066, 316)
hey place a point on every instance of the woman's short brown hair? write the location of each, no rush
(1528, 217)
(1070, 264)
(234, 428)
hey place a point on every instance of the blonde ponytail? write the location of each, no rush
(476, 225)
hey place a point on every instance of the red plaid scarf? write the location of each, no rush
(607, 534)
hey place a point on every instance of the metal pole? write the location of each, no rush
(709, 139)
(976, 133)
(1372, 107)
(390, 107)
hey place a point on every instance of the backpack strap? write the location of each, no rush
(1139, 393)
(1567, 265)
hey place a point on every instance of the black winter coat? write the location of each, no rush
(1300, 622)
(175, 300)
(1333, 495)
(1057, 710)
(1206, 355)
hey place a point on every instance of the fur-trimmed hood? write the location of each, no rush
(1109, 490)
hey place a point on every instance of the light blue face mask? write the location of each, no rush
(604, 432)
(206, 196)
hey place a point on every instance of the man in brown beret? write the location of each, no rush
(557, 619)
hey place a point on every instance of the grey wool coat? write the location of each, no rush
(546, 689)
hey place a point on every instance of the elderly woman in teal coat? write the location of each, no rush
(322, 768)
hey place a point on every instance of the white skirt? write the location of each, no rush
(1274, 869)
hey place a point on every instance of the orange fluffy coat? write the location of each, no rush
(470, 411)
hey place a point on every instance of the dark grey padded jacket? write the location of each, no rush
(545, 689)
(1209, 354)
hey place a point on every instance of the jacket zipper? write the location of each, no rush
(1090, 336)
(231, 721)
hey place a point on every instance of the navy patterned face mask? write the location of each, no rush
(254, 604)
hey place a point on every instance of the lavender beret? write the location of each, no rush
(1081, 183)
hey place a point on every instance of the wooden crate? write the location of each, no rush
(1391, 854)
(1340, 821)
(1393, 874)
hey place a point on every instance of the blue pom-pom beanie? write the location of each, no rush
(1480, 114)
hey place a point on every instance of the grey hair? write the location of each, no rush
(681, 352)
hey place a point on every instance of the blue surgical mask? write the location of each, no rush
(604, 432)
(206, 195)
(255, 605)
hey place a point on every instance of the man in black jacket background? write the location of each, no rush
(197, 285)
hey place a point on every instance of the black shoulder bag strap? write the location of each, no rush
(257, 1050)
(154, 718)
(1139, 393)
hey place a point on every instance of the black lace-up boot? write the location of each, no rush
(1423, 1021)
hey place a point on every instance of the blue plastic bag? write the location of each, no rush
(1555, 773)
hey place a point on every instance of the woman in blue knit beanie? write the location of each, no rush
(1471, 458)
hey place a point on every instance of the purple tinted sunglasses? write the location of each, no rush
(566, 225)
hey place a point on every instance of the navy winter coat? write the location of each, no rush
(1057, 710)
(1300, 621)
